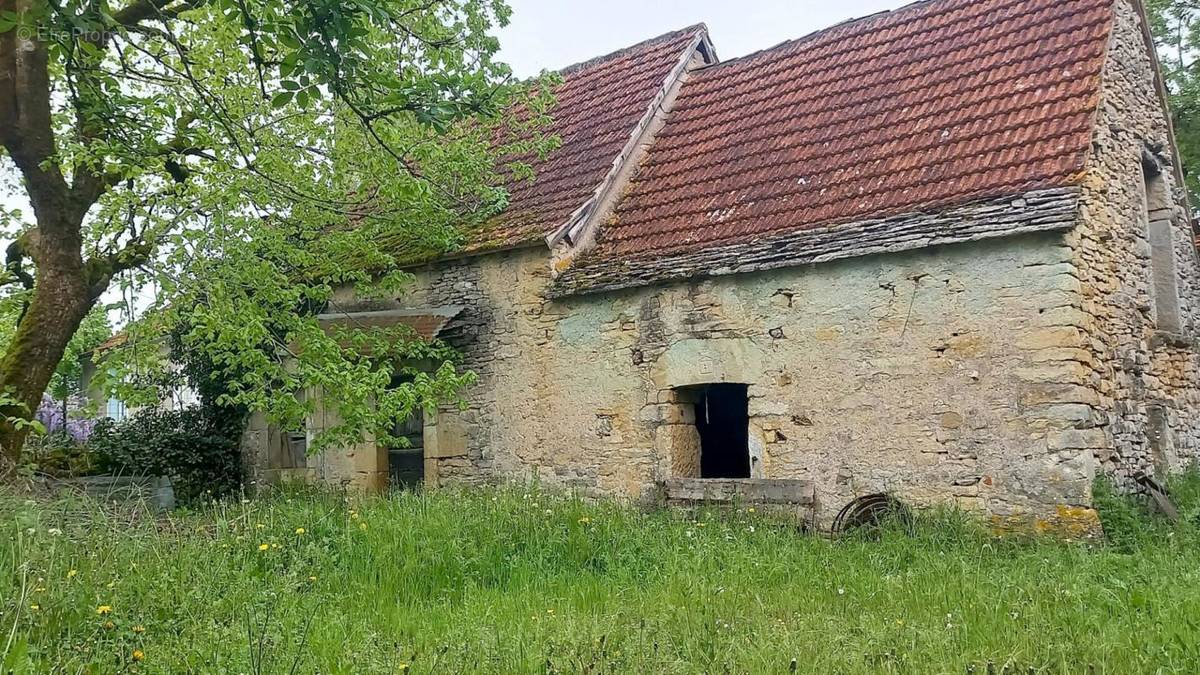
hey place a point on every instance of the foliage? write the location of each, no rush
(197, 450)
(1176, 28)
(245, 158)
(1130, 521)
(68, 377)
(517, 580)
(59, 454)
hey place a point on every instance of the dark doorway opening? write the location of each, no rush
(723, 420)
(406, 461)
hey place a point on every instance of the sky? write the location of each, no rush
(553, 34)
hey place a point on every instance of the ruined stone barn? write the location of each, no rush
(940, 252)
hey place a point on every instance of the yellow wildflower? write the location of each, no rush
(104, 610)
(138, 655)
(362, 526)
(108, 625)
(259, 525)
(138, 629)
(584, 520)
(263, 547)
(71, 573)
(299, 530)
(35, 607)
(402, 667)
(312, 578)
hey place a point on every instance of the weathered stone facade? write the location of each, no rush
(995, 355)
(1142, 377)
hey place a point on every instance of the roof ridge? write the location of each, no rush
(700, 27)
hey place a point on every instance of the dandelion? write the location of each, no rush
(35, 607)
(104, 610)
(362, 526)
(139, 629)
(353, 515)
(138, 655)
(584, 520)
(263, 547)
(312, 579)
(750, 510)
(299, 530)
(259, 526)
(71, 573)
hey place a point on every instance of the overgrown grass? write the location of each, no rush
(516, 580)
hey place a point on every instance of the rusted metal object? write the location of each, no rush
(869, 511)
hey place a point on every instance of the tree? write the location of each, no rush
(1176, 28)
(243, 158)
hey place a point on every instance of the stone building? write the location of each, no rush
(940, 252)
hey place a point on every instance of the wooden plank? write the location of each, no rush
(748, 490)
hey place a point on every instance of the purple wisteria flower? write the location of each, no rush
(50, 414)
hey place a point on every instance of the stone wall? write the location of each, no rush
(931, 374)
(1144, 377)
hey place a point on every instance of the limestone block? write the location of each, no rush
(1077, 439)
(678, 445)
(693, 361)
(1063, 336)
(1065, 372)
(668, 413)
(448, 437)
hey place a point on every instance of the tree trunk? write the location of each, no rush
(61, 299)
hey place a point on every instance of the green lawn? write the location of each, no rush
(517, 580)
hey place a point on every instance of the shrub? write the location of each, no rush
(59, 453)
(197, 450)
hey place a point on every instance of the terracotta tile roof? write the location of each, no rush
(935, 104)
(599, 104)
